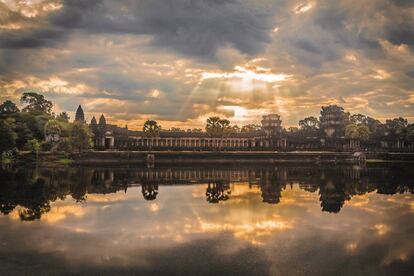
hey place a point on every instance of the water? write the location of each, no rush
(218, 220)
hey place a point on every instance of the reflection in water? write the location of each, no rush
(284, 220)
(149, 191)
(34, 190)
(218, 190)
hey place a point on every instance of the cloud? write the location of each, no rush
(195, 28)
(204, 56)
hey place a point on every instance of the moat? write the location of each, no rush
(208, 220)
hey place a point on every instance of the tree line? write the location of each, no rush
(28, 128)
(354, 126)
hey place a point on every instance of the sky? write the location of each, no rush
(181, 61)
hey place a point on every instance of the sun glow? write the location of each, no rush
(304, 7)
(246, 74)
(250, 232)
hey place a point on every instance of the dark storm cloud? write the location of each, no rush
(196, 28)
(401, 35)
(31, 38)
(403, 3)
(323, 33)
(199, 28)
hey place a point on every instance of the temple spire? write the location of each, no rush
(102, 120)
(80, 116)
(93, 121)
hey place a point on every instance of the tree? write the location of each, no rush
(8, 108)
(7, 136)
(177, 129)
(63, 117)
(331, 109)
(292, 129)
(410, 133)
(360, 132)
(396, 127)
(374, 125)
(309, 123)
(225, 127)
(80, 137)
(309, 126)
(358, 119)
(251, 128)
(218, 127)
(195, 130)
(235, 129)
(33, 145)
(34, 122)
(36, 103)
(213, 126)
(151, 129)
(52, 127)
(23, 132)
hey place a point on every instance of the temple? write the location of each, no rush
(270, 136)
(107, 136)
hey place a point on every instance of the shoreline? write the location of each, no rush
(110, 158)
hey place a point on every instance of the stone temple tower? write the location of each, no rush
(80, 116)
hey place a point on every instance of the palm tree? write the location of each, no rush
(218, 127)
(213, 126)
(151, 129)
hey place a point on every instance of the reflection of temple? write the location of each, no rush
(34, 190)
(332, 196)
(271, 186)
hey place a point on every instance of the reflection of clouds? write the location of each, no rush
(58, 213)
(129, 227)
(106, 197)
(249, 231)
(359, 200)
(381, 229)
(351, 247)
(402, 253)
(154, 207)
